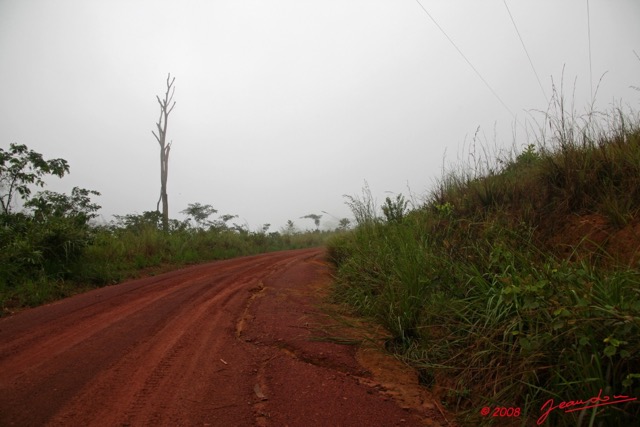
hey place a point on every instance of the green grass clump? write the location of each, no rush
(478, 295)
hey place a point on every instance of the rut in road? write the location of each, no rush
(225, 343)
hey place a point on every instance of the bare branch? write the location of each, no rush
(171, 109)
(165, 149)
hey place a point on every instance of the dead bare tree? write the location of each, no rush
(166, 106)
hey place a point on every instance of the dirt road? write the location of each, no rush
(223, 344)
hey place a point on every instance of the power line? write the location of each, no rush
(525, 50)
(468, 62)
(589, 35)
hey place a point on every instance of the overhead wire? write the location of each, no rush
(495, 94)
(589, 36)
(525, 50)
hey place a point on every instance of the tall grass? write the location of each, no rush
(115, 254)
(478, 295)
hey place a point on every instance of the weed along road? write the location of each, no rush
(229, 343)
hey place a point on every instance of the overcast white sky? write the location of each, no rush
(284, 106)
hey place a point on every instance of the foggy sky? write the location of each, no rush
(285, 106)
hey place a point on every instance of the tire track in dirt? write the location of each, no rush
(223, 344)
(47, 354)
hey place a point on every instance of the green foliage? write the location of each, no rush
(445, 210)
(47, 205)
(52, 250)
(200, 213)
(481, 304)
(139, 222)
(48, 240)
(118, 253)
(528, 157)
(479, 301)
(42, 260)
(395, 210)
(20, 168)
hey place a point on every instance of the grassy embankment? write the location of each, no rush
(46, 262)
(518, 279)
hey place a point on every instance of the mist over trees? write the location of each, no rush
(315, 218)
(53, 248)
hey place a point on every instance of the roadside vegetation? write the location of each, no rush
(517, 281)
(52, 247)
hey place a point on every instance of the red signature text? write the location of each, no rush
(581, 405)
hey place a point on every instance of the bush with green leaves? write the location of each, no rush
(51, 234)
(395, 210)
(20, 168)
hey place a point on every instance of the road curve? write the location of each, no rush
(221, 344)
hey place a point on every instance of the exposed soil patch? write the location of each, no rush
(230, 343)
(594, 237)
